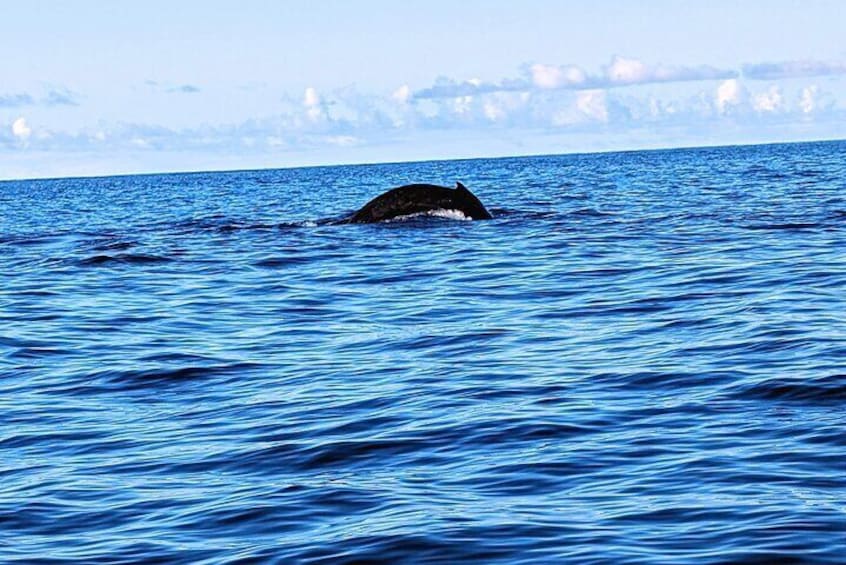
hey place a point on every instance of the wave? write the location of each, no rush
(827, 389)
(151, 379)
(124, 259)
(784, 226)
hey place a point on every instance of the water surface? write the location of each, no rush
(642, 358)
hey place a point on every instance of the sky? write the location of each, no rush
(97, 88)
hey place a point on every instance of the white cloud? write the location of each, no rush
(770, 101)
(402, 94)
(312, 102)
(808, 100)
(493, 111)
(462, 104)
(593, 104)
(730, 94)
(628, 71)
(623, 71)
(620, 72)
(449, 88)
(554, 76)
(20, 129)
(311, 98)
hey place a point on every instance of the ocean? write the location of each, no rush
(640, 359)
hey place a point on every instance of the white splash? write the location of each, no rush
(439, 213)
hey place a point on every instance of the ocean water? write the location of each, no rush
(641, 358)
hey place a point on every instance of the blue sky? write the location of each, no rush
(92, 88)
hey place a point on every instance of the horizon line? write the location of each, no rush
(412, 161)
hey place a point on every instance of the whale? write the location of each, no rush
(414, 199)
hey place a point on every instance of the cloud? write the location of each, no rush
(623, 72)
(593, 104)
(20, 129)
(402, 94)
(312, 103)
(742, 103)
(552, 104)
(813, 100)
(53, 97)
(614, 110)
(808, 101)
(628, 71)
(445, 87)
(557, 76)
(620, 72)
(493, 111)
(172, 88)
(736, 100)
(770, 101)
(310, 98)
(184, 89)
(16, 100)
(60, 97)
(793, 69)
(730, 95)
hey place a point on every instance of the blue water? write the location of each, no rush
(642, 358)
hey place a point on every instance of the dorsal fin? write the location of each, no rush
(459, 186)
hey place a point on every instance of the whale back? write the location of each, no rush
(417, 198)
(470, 205)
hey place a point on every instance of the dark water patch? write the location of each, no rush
(158, 378)
(219, 223)
(450, 545)
(811, 173)
(768, 173)
(33, 238)
(440, 341)
(826, 389)
(663, 380)
(39, 352)
(281, 262)
(350, 454)
(491, 392)
(166, 356)
(37, 293)
(15, 343)
(282, 510)
(785, 226)
(33, 440)
(124, 259)
(518, 431)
